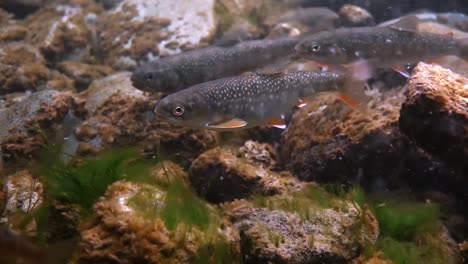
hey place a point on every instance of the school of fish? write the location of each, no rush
(217, 99)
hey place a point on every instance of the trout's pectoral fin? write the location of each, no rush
(353, 94)
(408, 23)
(229, 124)
(401, 70)
(277, 122)
(301, 104)
(361, 70)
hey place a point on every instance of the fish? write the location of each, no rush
(252, 99)
(363, 49)
(14, 246)
(173, 73)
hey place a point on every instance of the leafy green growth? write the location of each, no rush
(84, 184)
(409, 253)
(182, 206)
(404, 221)
(216, 252)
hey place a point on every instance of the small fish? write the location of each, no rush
(14, 246)
(250, 99)
(363, 49)
(177, 72)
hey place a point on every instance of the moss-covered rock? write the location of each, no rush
(307, 226)
(162, 226)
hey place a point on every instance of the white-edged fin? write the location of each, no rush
(277, 122)
(401, 70)
(229, 124)
(283, 126)
(408, 23)
(361, 70)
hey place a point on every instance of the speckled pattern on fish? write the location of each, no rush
(177, 72)
(244, 101)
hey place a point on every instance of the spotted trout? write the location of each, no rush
(250, 99)
(365, 48)
(177, 72)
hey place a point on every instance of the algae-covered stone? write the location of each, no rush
(328, 141)
(222, 174)
(23, 193)
(298, 228)
(121, 115)
(62, 31)
(137, 31)
(83, 74)
(25, 124)
(435, 116)
(158, 230)
(22, 68)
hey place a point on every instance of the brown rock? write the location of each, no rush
(12, 33)
(23, 193)
(435, 116)
(328, 141)
(21, 68)
(355, 16)
(83, 74)
(26, 123)
(221, 175)
(62, 30)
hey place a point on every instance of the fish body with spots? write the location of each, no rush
(177, 72)
(245, 101)
(392, 46)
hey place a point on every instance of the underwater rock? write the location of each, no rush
(137, 31)
(83, 74)
(23, 193)
(435, 116)
(13, 32)
(328, 141)
(62, 31)
(355, 16)
(221, 175)
(121, 115)
(22, 68)
(310, 20)
(166, 171)
(136, 215)
(297, 229)
(63, 222)
(25, 124)
(239, 31)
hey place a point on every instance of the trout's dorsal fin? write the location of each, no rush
(271, 73)
(408, 23)
(229, 124)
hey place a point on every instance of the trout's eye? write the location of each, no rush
(178, 110)
(315, 48)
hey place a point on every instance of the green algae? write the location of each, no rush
(403, 221)
(85, 183)
(182, 206)
(215, 252)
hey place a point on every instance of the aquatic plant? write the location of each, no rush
(85, 183)
(183, 206)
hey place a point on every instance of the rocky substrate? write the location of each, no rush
(261, 195)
